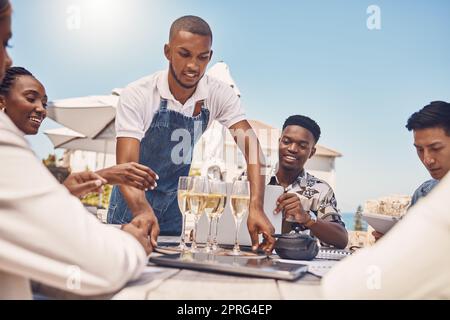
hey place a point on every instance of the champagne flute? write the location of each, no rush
(197, 201)
(215, 205)
(215, 242)
(184, 185)
(240, 202)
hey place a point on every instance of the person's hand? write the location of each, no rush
(83, 183)
(141, 235)
(149, 223)
(131, 174)
(290, 204)
(377, 235)
(257, 224)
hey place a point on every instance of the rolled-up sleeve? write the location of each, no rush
(230, 109)
(129, 116)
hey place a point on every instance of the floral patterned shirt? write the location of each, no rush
(307, 185)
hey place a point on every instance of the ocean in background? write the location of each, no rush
(349, 220)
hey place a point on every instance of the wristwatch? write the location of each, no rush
(312, 221)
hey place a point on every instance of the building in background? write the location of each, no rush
(78, 160)
(217, 148)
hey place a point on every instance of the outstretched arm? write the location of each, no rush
(128, 151)
(257, 222)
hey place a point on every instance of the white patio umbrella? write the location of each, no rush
(65, 138)
(221, 71)
(213, 157)
(89, 116)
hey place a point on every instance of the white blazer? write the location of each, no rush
(47, 236)
(412, 261)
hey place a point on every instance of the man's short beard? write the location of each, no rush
(288, 167)
(181, 84)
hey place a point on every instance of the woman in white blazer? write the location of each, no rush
(46, 235)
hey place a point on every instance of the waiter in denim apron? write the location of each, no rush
(159, 120)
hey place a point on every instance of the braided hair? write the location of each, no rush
(11, 75)
(5, 8)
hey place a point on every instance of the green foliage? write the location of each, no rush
(50, 161)
(92, 199)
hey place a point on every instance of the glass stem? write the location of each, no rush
(217, 230)
(183, 233)
(194, 240)
(236, 239)
(209, 240)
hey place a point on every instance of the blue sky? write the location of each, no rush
(316, 58)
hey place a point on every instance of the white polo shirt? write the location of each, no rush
(141, 100)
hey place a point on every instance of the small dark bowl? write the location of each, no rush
(296, 246)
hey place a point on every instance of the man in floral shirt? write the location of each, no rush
(308, 202)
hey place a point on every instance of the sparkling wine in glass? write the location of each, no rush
(240, 203)
(184, 185)
(215, 205)
(197, 202)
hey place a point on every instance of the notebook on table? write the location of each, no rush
(380, 222)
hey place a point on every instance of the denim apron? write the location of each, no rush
(167, 149)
